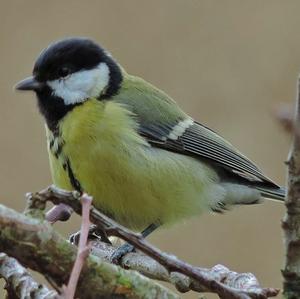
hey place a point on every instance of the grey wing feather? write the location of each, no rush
(199, 141)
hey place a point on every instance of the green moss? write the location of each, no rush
(124, 280)
(64, 248)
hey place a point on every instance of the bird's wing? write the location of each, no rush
(173, 130)
(198, 141)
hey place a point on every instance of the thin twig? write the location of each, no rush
(19, 283)
(172, 263)
(83, 249)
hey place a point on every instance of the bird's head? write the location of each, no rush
(69, 72)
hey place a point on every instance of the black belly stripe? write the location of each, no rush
(66, 162)
(59, 150)
(74, 182)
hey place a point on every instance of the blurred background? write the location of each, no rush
(227, 63)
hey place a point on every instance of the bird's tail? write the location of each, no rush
(272, 192)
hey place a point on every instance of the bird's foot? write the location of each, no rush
(120, 252)
(94, 234)
(59, 212)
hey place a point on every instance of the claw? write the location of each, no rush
(120, 252)
(94, 233)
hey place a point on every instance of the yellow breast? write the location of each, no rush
(129, 180)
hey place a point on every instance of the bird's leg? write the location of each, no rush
(149, 229)
(126, 248)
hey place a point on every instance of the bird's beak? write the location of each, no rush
(29, 83)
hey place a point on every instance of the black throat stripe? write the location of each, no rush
(53, 108)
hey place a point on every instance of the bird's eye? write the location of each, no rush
(64, 72)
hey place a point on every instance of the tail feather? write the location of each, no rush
(272, 193)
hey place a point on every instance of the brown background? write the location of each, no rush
(227, 63)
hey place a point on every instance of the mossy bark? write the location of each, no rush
(36, 245)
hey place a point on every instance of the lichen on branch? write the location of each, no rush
(36, 245)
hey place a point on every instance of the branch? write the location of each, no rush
(291, 221)
(19, 283)
(171, 263)
(36, 245)
(152, 269)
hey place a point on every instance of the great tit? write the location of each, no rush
(128, 144)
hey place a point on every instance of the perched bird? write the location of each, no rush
(128, 144)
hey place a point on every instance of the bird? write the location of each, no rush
(145, 162)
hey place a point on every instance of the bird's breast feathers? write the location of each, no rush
(97, 146)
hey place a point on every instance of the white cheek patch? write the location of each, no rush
(81, 85)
